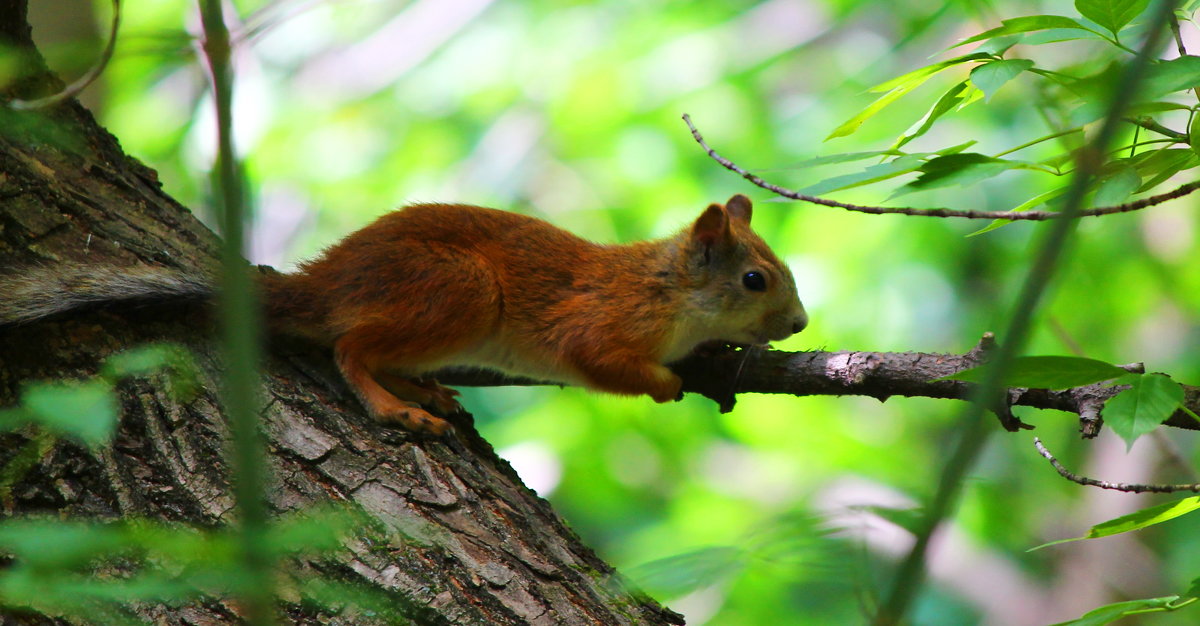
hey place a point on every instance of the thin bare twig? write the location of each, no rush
(1031, 215)
(74, 89)
(1103, 484)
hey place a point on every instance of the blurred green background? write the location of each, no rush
(570, 111)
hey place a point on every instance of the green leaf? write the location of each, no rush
(1194, 590)
(1033, 202)
(1048, 372)
(1164, 165)
(1150, 400)
(872, 174)
(999, 45)
(87, 410)
(1055, 35)
(1117, 187)
(1135, 521)
(844, 157)
(948, 101)
(1169, 77)
(955, 149)
(1194, 134)
(1025, 24)
(1112, 612)
(851, 125)
(1159, 165)
(896, 88)
(957, 169)
(1111, 14)
(989, 77)
(922, 74)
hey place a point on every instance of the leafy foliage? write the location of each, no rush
(1136, 521)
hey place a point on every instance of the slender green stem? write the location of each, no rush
(1149, 124)
(239, 320)
(909, 576)
(1035, 142)
(1116, 42)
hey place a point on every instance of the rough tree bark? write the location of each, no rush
(467, 543)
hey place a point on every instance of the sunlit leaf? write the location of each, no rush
(896, 88)
(1112, 612)
(1055, 35)
(1135, 521)
(950, 99)
(1047, 372)
(997, 46)
(1111, 14)
(970, 96)
(851, 125)
(922, 74)
(1026, 24)
(1031, 203)
(1150, 400)
(989, 77)
(872, 174)
(845, 157)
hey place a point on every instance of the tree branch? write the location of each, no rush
(879, 375)
(1031, 215)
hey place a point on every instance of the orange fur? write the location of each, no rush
(438, 285)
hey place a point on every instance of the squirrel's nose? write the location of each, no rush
(799, 322)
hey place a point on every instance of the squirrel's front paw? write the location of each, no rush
(670, 391)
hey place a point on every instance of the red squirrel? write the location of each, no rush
(432, 286)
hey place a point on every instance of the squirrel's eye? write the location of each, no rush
(754, 281)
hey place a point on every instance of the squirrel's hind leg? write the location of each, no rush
(453, 307)
(382, 404)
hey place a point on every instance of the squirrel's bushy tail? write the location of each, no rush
(41, 292)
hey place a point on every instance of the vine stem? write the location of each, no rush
(239, 322)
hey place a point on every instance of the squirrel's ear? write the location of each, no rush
(739, 208)
(711, 229)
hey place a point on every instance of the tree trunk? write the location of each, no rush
(466, 542)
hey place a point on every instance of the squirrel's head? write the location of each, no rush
(742, 293)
